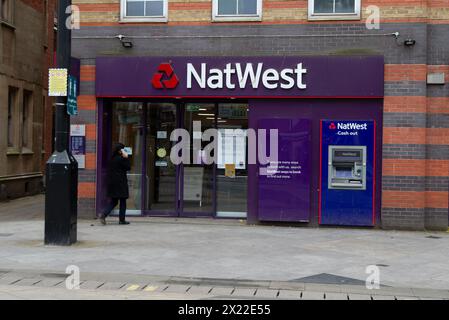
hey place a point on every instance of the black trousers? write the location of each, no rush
(113, 204)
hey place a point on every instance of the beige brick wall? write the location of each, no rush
(107, 11)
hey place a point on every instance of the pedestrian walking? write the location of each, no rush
(117, 186)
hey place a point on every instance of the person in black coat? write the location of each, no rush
(117, 184)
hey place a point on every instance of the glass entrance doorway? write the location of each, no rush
(160, 187)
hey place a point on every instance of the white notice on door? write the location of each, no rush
(193, 183)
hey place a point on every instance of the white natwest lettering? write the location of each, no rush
(352, 126)
(271, 78)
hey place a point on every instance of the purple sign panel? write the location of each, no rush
(250, 77)
(284, 195)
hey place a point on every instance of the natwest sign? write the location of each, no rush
(240, 77)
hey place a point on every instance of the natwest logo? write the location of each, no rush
(332, 126)
(243, 75)
(165, 77)
(352, 126)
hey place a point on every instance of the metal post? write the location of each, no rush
(61, 169)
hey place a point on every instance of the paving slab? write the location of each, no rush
(49, 282)
(266, 293)
(336, 296)
(10, 279)
(89, 284)
(390, 291)
(406, 298)
(289, 294)
(284, 285)
(221, 291)
(27, 282)
(155, 287)
(199, 290)
(312, 295)
(112, 286)
(380, 297)
(133, 287)
(355, 296)
(430, 293)
(173, 288)
(322, 287)
(244, 292)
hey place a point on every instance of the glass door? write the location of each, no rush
(161, 174)
(198, 178)
(127, 128)
(232, 160)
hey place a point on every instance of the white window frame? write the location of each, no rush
(125, 18)
(334, 16)
(236, 17)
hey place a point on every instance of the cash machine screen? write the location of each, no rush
(343, 172)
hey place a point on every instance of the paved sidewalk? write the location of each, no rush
(228, 250)
(41, 285)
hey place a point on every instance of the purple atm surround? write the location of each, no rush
(315, 110)
(285, 195)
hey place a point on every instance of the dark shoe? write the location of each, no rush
(123, 222)
(103, 219)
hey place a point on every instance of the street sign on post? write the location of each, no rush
(57, 82)
(72, 104)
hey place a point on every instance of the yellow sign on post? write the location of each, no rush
(230, 170)
(57, 82)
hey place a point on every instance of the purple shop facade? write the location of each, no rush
(293, 94)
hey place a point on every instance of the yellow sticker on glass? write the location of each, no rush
(161, 152)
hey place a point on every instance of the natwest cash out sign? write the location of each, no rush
(250, 77)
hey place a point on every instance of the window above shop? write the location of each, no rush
(334, 9)
(6, 11)
(144, 11)
(237, 10)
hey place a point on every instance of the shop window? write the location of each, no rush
(12, 117)
(237, 10)
(144, 11)
(334, 9)
(27, 121)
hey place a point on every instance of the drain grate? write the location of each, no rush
(326, 278)
(6, 234)
(382, 265)
(433, 237)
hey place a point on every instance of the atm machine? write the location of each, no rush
(347, 185)
(347, 167)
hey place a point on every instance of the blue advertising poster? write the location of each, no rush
(347, 173)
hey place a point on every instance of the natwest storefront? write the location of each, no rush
(326, 110)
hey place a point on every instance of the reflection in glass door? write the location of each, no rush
(198, 178)
(161, 173)
(127, 128)
(232, 160)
